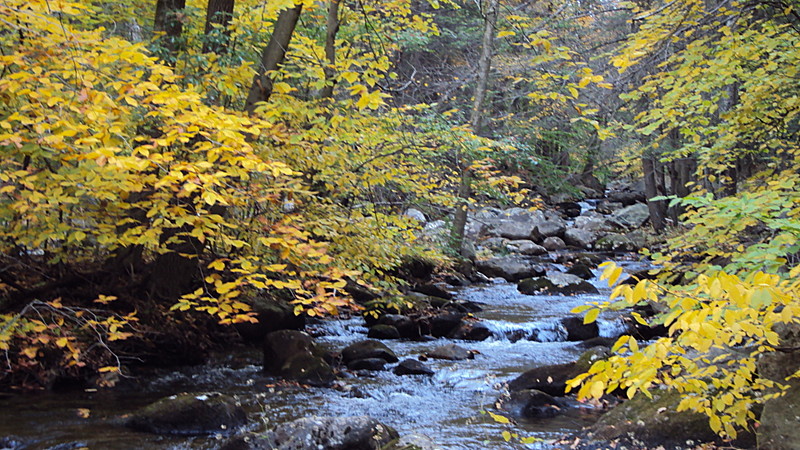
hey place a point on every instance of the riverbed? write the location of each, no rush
(448, 407)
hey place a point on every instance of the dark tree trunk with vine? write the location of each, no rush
(272, 57)
(168, 20)
(218, 16)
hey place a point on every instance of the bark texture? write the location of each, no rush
(272, 57)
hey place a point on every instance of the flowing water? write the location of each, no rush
(446, 407)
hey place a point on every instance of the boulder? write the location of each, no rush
(590, 259)
(593, 223)
(366, 350)
(412, 367)
(532, 404)
(780, 420)
(330, 433)
(779, 426)
(631, 217)
(616, 243)
(495, 244)
(608, 207)
(638, 237)
(435, 232)
(307, 368)
(514, 223)
(514, 230)
(548, 379)
(474, 229)
(361, 294)
(367, 364)
(510, 268)
(280, 345)
(579, 331)
(433, 290)
(531, 249)
(189, 415)
(627, 193)
(581, 270)
(569, 209)
(295, 356)
(548, 228)
(272, 315)
(405, 326)
(553, 243)
(654, 423)
(556, 283)
(451, 352)
(580, 238)
(381, 331)
(471, 332)
(415, 214)
(525, 247)
(563, 197)
(445, 323)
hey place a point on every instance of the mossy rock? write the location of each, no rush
(306, 368)
(616, 243)
(366, 350)
(189, 415)
(655, 423)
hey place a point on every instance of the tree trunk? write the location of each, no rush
(484, 65)
(168, 20)
(657, 208)
(219, 13)
(476, 118)
(332, 28)
(272, 57)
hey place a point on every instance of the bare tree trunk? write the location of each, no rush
(168, 20)
(657, 208)
(218, 13)
(476, 118)
(273, 56)
(332, 27)
(484, 65)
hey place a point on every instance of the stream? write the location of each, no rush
(445, 407)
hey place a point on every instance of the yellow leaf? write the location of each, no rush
(597, 389)
(498, 418)
(282, 87)
(591, 316)
(614, 276)
(217, 264)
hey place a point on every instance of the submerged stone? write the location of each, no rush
(189, 415)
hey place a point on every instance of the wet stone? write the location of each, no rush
(412, 367)
(367, 364)
(450, 352)
(366, 350)
(381, 331)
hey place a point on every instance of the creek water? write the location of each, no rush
(445, 407)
